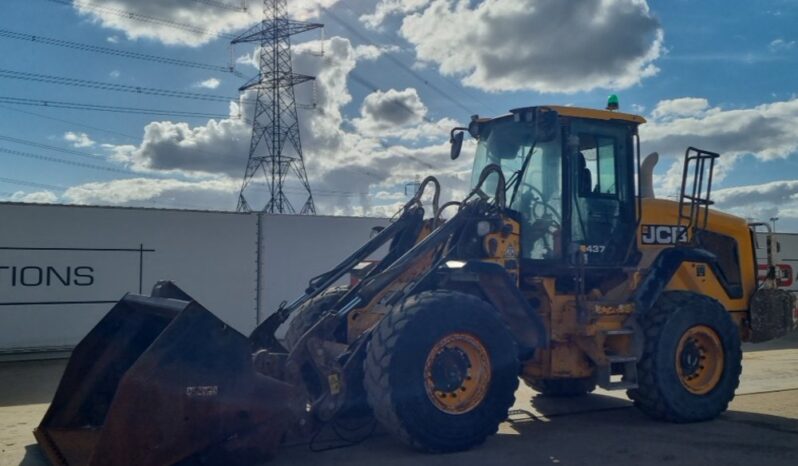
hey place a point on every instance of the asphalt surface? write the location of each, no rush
(760, 427)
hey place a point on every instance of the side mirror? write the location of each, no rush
(456, 140)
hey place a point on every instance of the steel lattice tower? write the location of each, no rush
(275, 148)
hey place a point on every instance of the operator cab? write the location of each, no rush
(570, 176)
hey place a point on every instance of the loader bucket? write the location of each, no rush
(163, 381)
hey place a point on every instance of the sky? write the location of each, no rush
(393, 77)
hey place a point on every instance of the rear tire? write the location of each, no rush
(563, 388)
(441, 371)
(309, 314)
(691, 359)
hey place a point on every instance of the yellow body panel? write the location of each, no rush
(665, 212)
(581, 112)
(594, 114)
(504, 247)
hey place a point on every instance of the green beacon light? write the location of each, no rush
(612, 102)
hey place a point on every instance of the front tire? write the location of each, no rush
(691, 359)
(441, 371)
(310, 313)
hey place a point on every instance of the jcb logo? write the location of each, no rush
(663, 234)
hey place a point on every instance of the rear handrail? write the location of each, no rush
(698, 162)
(770, 279)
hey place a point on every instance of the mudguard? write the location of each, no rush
(496, 285)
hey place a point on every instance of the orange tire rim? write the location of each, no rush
(457, 373)
(700, 359)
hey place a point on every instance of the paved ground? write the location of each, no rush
(760, 428)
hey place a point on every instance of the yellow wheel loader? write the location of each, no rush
(559, 269)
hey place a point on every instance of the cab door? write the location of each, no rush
(601, 185)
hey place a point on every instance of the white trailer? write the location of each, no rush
(784, 247)
(63, 267)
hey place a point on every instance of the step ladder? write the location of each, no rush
(621, 371)
(695, 196)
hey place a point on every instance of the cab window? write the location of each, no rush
(602, 191)
(598, 175)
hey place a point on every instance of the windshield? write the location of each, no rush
(507, 143)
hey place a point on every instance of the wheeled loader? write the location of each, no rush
(559, 268)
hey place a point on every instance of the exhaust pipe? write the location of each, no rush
(647, 175)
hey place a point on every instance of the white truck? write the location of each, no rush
(785, 258)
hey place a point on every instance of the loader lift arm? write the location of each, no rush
(402, 233)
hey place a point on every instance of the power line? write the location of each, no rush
(29, 155)
(91, 127)
(396, 61)
(36, 39)
(453, 84)
(136, 138)
(106, 86)
(323, 192)
(66, 162)
(143, 18)
(39, 145)
(72, 123)
(224, 6)
(109, 108)
(31, 184)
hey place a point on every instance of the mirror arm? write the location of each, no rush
(454, 130)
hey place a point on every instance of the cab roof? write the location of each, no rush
(589, 113)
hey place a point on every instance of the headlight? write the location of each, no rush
(483, 228)
(455, 264)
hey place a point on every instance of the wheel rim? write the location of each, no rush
(699, 359)
(457, 373)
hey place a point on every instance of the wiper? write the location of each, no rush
(515, 178)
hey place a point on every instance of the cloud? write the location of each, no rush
(399, 114)
(386, 8)
(682, 107)
(79, 139)
(774, 192)
(207, 194)
(539, 45)
(114, 74)
(38, 197)
(781, 45)
(218, 147)
(210, 83)
(767, 131)
(184, 22)
(373, 52)
(763, 201)
(394, 108)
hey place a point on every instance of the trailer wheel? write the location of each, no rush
(691, 359)
(441, 371)
(562, 388)
(309, 314)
